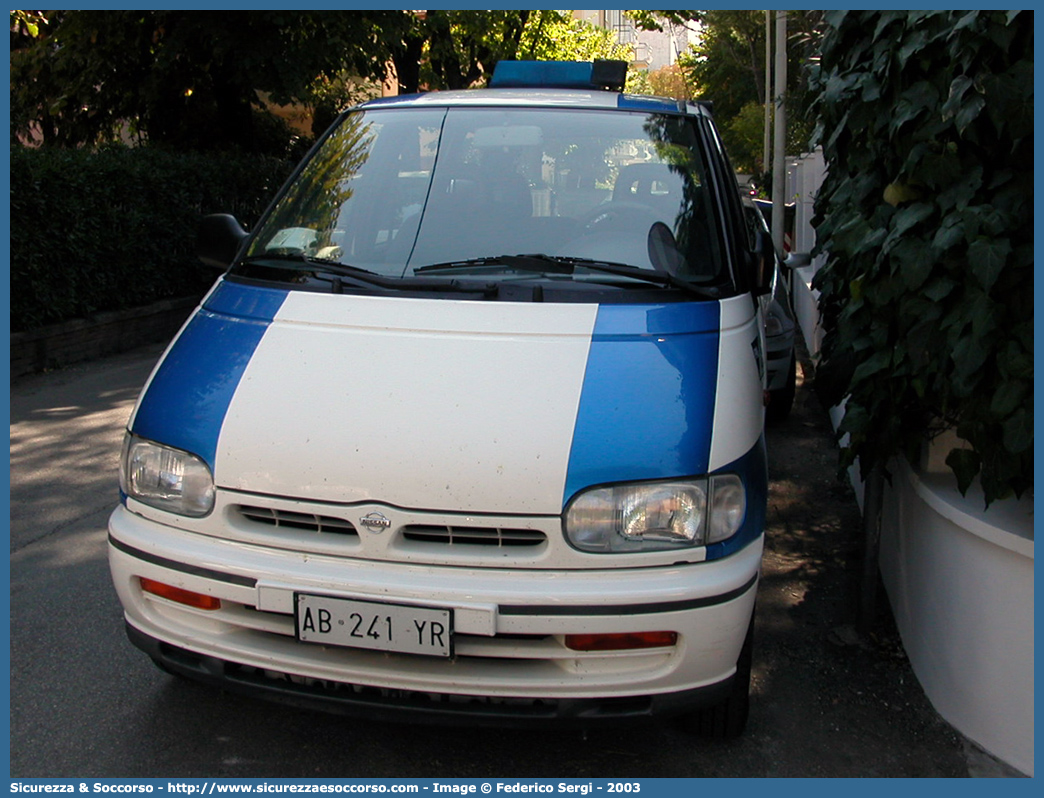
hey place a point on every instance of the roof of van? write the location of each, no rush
(546, 98)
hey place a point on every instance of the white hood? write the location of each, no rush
(427, 404)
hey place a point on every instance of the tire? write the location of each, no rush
(727, 719)
(162, 666)
(782, 400)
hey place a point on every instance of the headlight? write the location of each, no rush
(165, 478)
(656, 516)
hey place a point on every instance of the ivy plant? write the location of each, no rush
(926, 218)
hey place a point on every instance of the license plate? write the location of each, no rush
(374, 625)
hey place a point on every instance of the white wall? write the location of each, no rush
(804, 177)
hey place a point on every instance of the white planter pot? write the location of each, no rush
(960, 580)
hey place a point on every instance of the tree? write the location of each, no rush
(455, 49)
(558, 37)
(460, 49)
(727, 66)
(671, 81)
(728, 62)
(745, 134)
(926, 214)
(187, 78)
(201, 80)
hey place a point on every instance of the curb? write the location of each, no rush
(102, 334)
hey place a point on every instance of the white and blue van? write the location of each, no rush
(471, 427)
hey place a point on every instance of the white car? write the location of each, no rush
(471, 429)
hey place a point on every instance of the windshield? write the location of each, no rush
(402, 191)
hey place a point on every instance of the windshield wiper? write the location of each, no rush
(300, 262)
(564, 264)
(523, 263)
(316, 266)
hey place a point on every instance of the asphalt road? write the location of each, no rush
(85, 703)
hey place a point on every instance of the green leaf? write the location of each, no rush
(958, 86)
(967, 20)
(871, 90)
(876, 363)
(1007, 397)
(969, 355)
(907, 217)
(965, 465)
(949, 234)
(1010, 99)
(939, 169)
(1018, 431)
(911, 46)
(969, 112)
(886, 18)
(984, 313)
(855, 421)
(915, 260)
(962, 190)
(1015, 362)
(849, 237)
(837, 87)
(913, 102)
(987, 257)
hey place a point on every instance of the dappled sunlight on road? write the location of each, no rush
(66, 432)
(88, 547)
(810, 679)
(62, 470)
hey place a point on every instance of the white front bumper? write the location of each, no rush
(509, 623)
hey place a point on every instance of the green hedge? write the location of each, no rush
(115, 229)
(926, 120)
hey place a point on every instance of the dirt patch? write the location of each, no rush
(851, 699)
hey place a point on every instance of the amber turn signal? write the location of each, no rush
(620, 641)
(180, 595)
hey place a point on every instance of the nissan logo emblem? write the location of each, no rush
(375, 522)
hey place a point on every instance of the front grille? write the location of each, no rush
(309, 522)
(473, 536)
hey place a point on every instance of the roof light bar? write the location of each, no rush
(600, 74)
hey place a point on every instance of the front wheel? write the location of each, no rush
(727, 719)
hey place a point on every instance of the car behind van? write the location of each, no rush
(470, 429)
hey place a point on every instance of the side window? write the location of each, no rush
(737, 232)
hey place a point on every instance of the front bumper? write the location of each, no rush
(384, 705)
(510, 662)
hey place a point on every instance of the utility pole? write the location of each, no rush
(779, 166)
(767, 150)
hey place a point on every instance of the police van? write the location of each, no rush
(470, 429)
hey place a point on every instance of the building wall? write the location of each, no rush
(653, 49)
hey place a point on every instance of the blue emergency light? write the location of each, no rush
(600, 74)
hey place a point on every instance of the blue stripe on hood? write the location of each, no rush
(647, 404)
(186, 402)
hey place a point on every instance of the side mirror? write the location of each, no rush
(218, 239)
(797, 260)
(764, 264)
